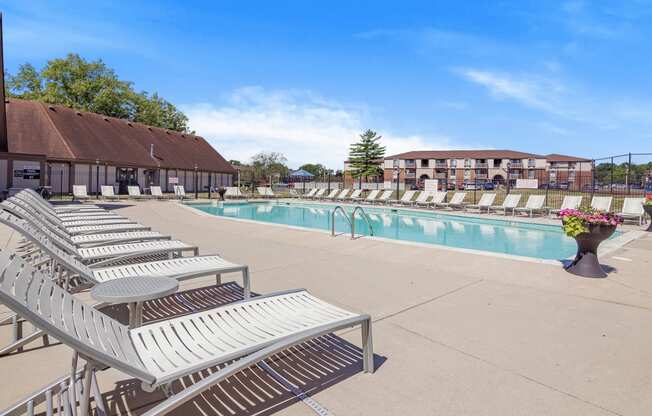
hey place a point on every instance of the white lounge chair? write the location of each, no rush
(331, 194)
(107, 192)
(134, 193)
(569, 202)
(101, 255)
(486, 200)
(320, 193)
(59, 208)
(79, 193)
(457, 201)
(310, 193)
(39, 204)
(509, 204)
(533, 205)
(157, 192)
(160, 353)
(437, 198)
(423, 199)
(633, 210)
(342, 196)
(355, 195)
(384, 197)
(64, 221)
(371, 196)
(180, 192)
(233, 192)
(406, 199)
(601, 203)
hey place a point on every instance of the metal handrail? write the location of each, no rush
(366, 218)
(333, 219)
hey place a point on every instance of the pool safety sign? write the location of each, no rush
(27, 173)
(527, 183)
(173, 179)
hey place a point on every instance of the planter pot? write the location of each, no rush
(648, 211)
(586, 262)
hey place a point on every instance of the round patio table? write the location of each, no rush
(134, 291)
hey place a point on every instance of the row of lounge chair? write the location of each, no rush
(80, 193)
(535, 204)
(69, 248)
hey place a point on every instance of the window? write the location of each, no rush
(467, 163)
(497, 163)
(467, 174)
(531, 163)
(530, 174)
(453, 163)
(424, 163)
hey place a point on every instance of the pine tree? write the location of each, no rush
(364, 156)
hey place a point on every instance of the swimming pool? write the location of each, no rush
(496, 236)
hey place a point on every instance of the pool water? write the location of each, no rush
(496, 236)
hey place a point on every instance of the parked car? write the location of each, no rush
(489, 186)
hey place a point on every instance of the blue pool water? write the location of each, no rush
(497, 236)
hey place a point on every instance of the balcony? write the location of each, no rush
(441, 175)
(410, 164)
(481, 165)
(516, 165)
(514, 176)
(481, 176)
(441, 165)
(410, 175)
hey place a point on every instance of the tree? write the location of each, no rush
(266, 164)
(235, 162)
(316, 169)
(364, 156)
(92, 86)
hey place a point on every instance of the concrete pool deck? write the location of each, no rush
(455, 333)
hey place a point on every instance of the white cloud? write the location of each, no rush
(300, 124)
(536, 92)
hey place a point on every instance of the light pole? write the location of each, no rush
(97, 178)
(196, 190)
(397, 174)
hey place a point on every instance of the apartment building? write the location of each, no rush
(461, 167)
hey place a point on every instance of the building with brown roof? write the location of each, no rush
(57, 146)
(458, 168)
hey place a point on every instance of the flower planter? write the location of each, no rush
(648, 211)
(586, 262)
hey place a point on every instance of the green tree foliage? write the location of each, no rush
(267, 164)
(365, 154)
(316, 169)
(637, 173)
(92, 86)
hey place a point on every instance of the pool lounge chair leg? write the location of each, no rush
(367, 347)
(218, 279)
(246, 282)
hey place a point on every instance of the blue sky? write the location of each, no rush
(304, 77)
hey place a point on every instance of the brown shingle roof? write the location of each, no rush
(554, 157)
(62, 133)
(463, 154)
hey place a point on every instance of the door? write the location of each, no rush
(126, 177)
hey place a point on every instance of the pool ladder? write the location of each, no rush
(351, 220)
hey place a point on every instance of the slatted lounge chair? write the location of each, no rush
(331, 194)
(180, 192)
(269, 192)
(423, 199)
(68, 232)
(29, 204)
(320, 192)
(310, 193)
(486, 200)
(134, 193)
(342, 195)
(406, 198)
(355, 195)
(233, 192)
(370, 197)
(71, 269)
(569, 202)
(383, 198)
(238, 335)
(438, 198)
(633, 209)
(601, 203)
(509, 204)
(157, 192)
(40, 204)
(89, 240)
(101, 255)
(457, 201)
(60, 208)
(65, 222)
(79, 193)
(108, 193)
(533, 205)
